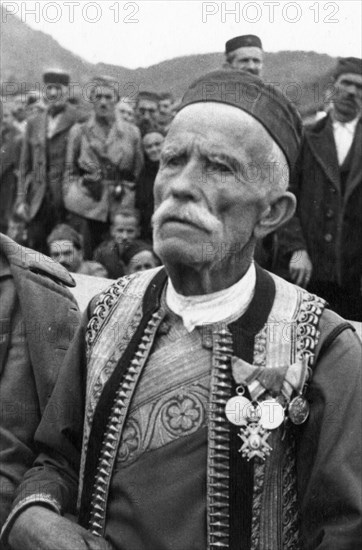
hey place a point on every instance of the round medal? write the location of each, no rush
(272, 414)
(236, 410)
(298, 410)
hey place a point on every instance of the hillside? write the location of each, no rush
(25, 53)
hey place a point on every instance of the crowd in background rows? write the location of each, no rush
(117, 241)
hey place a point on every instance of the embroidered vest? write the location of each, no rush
(249, 505)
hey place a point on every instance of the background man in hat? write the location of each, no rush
(245, 53)
(42, 164)
(104, 159)
(170, 451)
(323, 243)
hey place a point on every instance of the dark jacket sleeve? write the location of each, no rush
(25, 164)
(54, 475)
(329, 448)
(290, 236)
(53, 479)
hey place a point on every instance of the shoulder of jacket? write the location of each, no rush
(31, 260)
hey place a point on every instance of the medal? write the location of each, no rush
(254, 439)
(236, 410)
(298, 410)
(272, 414)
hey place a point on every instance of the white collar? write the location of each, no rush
(350, 126)
(215, 307)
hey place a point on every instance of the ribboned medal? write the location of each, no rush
(256, 420)
(298, 410)
(236, 410)
(272, 414)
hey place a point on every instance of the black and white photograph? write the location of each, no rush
(180, 275)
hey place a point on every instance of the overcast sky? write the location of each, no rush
(142, 33)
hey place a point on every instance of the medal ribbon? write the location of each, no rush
(274, 380)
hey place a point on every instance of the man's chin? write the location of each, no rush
(178, 250)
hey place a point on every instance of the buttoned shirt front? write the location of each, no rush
(343, 136)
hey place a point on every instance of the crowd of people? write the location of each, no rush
(98, 173)
(89, 181)
(210, 396)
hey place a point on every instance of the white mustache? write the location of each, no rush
(189, 213)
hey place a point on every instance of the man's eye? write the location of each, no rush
(219, 167)
(172, 162)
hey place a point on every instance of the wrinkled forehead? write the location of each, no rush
(221, 127)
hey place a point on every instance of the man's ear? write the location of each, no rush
(277, 214)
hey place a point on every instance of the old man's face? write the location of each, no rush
(212, 187)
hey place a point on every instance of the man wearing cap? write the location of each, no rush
(245, 53)
(215, 413)
(322, 245)
(104, 159)
(42, 164)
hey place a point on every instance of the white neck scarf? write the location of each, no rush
(215, 307)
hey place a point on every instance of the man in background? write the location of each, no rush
(66, 247)
(104, 159)
(10, 146)
(321, 247)
(147, 110)
(42, 164)
(245, 53)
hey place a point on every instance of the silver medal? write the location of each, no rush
(236, 410)
(272, 414)
(298, 410)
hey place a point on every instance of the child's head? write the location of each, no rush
(139, 256)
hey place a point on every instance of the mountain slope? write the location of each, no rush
(26, 53)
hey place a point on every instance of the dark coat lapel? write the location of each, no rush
(323, 147)
(66, 120)
(355, 175)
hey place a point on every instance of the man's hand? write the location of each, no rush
(300, 268)
(22, 210)
(40, 528)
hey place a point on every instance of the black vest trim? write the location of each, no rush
(241, 482)
(151, 302)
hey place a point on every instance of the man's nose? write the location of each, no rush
(185, 185)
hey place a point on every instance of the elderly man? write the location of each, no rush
(245, 53)
(323, 242)
(42, 163)
(104, 159)
(193, 429)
